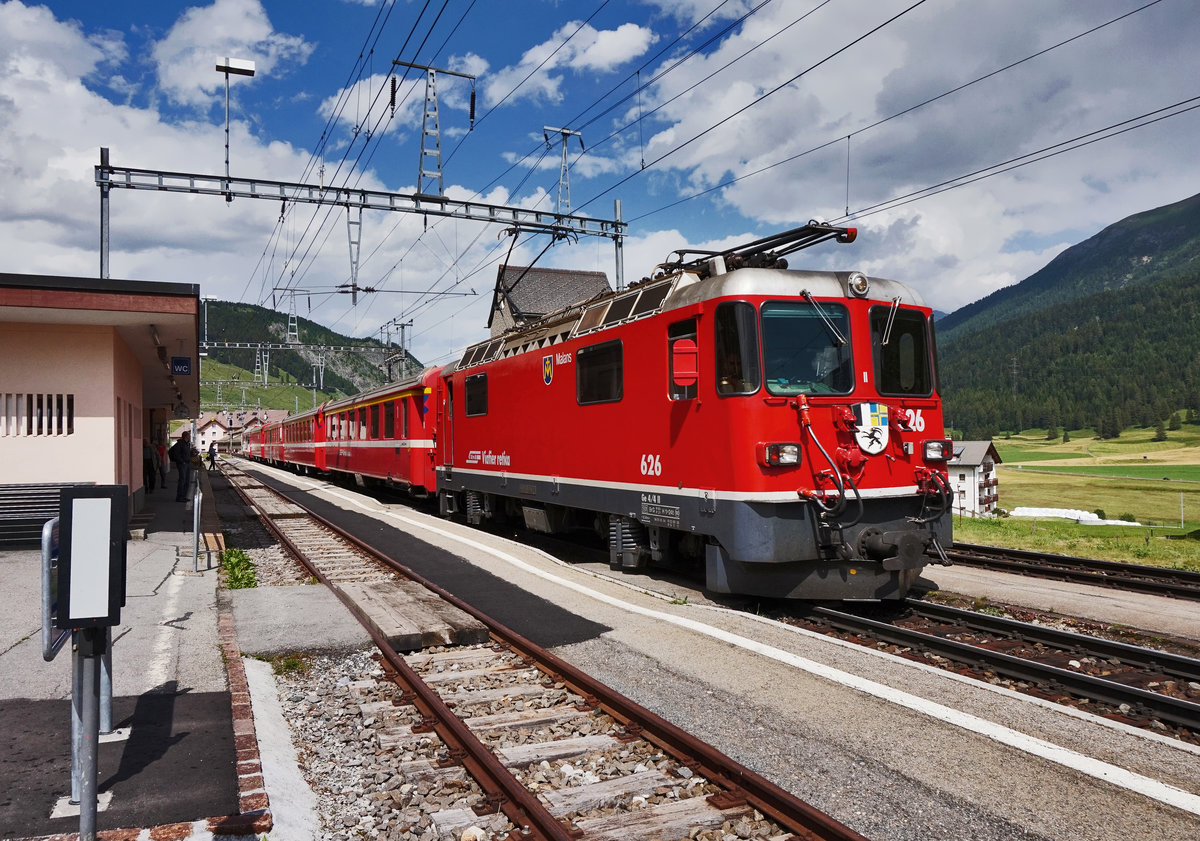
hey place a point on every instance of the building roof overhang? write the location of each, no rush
(160, 322)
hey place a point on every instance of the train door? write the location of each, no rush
(318, 439)
(447, 423)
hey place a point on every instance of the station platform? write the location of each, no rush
(183, 760)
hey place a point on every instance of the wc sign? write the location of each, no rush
(181, 366)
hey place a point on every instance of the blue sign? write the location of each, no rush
(181, 366)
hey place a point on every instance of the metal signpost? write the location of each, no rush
(83, 594)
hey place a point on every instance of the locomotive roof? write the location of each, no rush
(673, 291)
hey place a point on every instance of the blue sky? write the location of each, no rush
(836, 105)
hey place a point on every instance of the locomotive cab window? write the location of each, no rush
(806, 348)
(736, 343)
(900, 344)
(476, 393)
(599, 373)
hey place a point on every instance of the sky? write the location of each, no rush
(969, 141)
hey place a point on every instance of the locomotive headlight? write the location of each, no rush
(779, 455)
(858, 284)
(941, 450)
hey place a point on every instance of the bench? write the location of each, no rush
(24, 509)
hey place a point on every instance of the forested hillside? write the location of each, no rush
(1108, 361)
(1150, 247)
(346, 372)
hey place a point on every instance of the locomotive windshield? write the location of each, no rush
(900, 344)
(805, 348)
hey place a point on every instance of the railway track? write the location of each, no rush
(525, 739)
(1158, 581)
(1140, 686)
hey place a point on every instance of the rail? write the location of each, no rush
(1158, 581)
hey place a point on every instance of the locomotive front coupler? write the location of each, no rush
(900, 549)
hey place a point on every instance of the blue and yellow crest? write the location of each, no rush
(548, 369)
(872, 432)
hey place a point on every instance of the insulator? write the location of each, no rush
(472, 108)
(393, 96)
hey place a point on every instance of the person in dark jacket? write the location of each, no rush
(149, 465)
(181, 457)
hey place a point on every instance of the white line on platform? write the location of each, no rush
(158, 671)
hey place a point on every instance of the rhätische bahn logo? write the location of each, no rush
(872, 433)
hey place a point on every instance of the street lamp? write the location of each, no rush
(238, 67)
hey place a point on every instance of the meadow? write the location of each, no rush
(1133, 477)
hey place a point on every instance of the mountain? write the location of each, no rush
(1107, 335)
(345, 371)
(1142, 249)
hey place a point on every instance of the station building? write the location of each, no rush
(89, 368)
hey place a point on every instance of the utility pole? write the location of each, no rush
(402, 356)
(430, 126)
(564, 184)
(238, 67)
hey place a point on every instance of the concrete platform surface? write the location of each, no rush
(180, 756)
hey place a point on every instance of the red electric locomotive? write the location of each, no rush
(781, 427)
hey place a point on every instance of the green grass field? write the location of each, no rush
(1122, 477)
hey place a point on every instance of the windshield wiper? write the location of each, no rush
(887, 328)
(838, 338)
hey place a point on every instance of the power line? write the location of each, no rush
(754, 102)
(909, 110)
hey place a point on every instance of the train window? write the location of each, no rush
(403, 418)
(599, 373)
(389, 419)
(806, 348)
(678, 387)
(736, 343)
(900, 346)
(373, 414)
(362, 423)
(476, 394)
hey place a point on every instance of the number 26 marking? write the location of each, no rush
(916, 421)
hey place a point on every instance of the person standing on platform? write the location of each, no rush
(149, 465)
(164, 463)
(181, 456)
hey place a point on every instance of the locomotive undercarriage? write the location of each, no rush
(774, 550)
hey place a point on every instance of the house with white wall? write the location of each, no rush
(973, 478)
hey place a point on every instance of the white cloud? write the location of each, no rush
(186, 57)
(572, 46)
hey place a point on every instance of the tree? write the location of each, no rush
(1175, 422)
(1160, 431)
(1066, 436)
(1052, 426)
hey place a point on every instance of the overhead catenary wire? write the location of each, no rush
(756, 101)
(912, 108)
